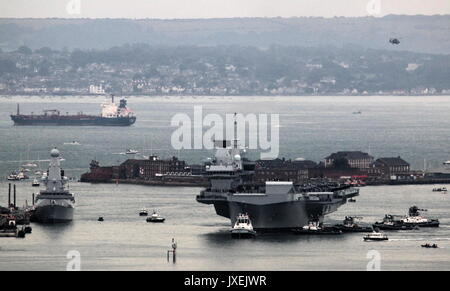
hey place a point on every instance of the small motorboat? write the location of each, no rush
(143, 212)
(131, 152)
(243, 227)
(100, 218)
(35, 183)
(414, 218)
(155, 217)
(351, 200)
(430, 246)
(375, 236)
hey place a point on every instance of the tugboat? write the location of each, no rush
(430, 246)
(35, 183)
(155, 217)
(391, 223)
(143, 212)
(349, 225)
(375, 236)
(243, 227)
(415, 219)
(316, 228)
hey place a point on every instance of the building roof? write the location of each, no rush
(392, 162)
(349, 155)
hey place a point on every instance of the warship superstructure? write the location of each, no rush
(112, 115)
(54, 204)
(277, 205)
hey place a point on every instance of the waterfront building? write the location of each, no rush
(390, 167)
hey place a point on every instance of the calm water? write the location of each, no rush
(415, 128)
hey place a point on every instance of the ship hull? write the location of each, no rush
(53, 214)
(25, 120)
(283, 216)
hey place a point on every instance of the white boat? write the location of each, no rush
(72, 143)
(35, 183)
(155, 217)
(243, 227)
(131, 152)
(375, 236)
(13, 177)
(143, 212)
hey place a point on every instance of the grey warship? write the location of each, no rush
(275, 206)
(55, 204)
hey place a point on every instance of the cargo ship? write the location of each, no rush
(111, 115)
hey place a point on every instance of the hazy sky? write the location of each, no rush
(217, 8)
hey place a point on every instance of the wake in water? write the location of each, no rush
(421, 239)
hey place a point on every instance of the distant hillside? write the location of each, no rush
(426, 34)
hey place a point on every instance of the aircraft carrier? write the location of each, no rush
(112, 115)
(275, 206)
(55, 204)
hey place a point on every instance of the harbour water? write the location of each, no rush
(124, 241)
(417, 128)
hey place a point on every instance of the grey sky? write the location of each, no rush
(216, 8)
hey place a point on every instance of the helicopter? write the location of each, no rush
(394, 41)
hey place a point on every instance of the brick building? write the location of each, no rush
(355, 159)
(296, 171)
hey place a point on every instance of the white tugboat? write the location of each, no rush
(375, 236)
(155, 217)
(54, 204)
(414, 218)
(243, 227)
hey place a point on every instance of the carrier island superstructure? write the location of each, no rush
(277, 205)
